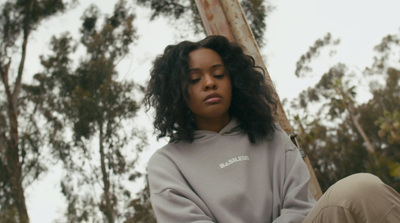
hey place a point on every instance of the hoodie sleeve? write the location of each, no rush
(297, 200)
(172, 198)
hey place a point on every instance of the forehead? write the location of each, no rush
(204, 57)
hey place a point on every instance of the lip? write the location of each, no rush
(212, 98)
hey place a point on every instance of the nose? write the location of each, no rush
(209, 82)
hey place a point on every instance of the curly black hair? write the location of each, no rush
(253, 104)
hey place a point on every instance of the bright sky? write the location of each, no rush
(292, 29)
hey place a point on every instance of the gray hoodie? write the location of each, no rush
(223, 177)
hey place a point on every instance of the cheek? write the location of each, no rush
(190, 98)
(186, 94)
(193, 92)
(229, 87)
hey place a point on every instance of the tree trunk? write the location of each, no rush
(350, 108)
(13, 164)
(360, 130)
(106, 207)
(15, 180)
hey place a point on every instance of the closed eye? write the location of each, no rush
(218, 71)
(193, 81)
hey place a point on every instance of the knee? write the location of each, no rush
(362, 180)
(357, 186)
(360, 196)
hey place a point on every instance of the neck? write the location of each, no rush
(214, 125)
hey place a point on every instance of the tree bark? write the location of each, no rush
(360, 130)
(26, 33)
(14, 168)
(13, 164)
(350, 108)
(106, 208)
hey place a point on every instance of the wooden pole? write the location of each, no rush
(226, 17)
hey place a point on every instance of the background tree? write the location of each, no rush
(385, 88)
(97, 111)
(344, 137)
(143, 212)
(256, 12)
(20, 137)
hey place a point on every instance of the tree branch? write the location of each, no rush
(26, 32)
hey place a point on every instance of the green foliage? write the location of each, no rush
(256, 12)
(181, 10)
(173, 8)
(333, 91)
(21, 136)
(389, 127)
(386, 53)
(22, 17)
(337, 135)
(97, 111)
(303, 64)
(143, 212)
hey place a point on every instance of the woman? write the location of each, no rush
(227, 161)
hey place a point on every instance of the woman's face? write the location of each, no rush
(210, 88)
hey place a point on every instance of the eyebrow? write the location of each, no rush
(213, 66)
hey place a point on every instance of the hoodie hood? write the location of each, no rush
(232, 128)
